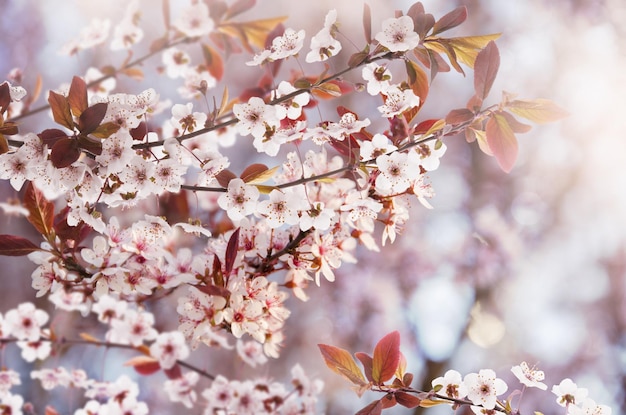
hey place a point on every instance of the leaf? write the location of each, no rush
(11, 245)
(50, 410)
(5, 97)
(327, 90)
(91, 117)
(144, 365)
(40, 210)
(224, 177)
(134, 73)
(367, 23)
(374, 408)
(540, 111)
(213, 61)
(407, 400)
(252, 33)
(429, 127)
(418, 81)
(60, 110)
(173, 372)
(106, 130)
(429, 403)
(341, 362)
(88, 337)
(225, 106)
(516, 126)
(165, 7)
(459, 116)
(486, 69)
(258, 173)
(386, 357)
(77, 96)
(4, 144)
(90, 144)
(502, 141)
(64, 152)
(422, 22)
(51, 136)
(467, 48)
(231, 251)
(366, 361)
(266, 190)
(450, 20)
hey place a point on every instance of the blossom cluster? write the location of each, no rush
(484, 388)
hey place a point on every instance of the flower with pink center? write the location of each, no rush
(289, 44)
(8, 378)
(25, 322)
(134, 328)
(251, 352)
(243, 315)
(398, 34)
(483, 388)
(397, 172)
(183, 389)
(255, 117)
(195, 21)
(168, 348)
(397, 101)
(240, 200)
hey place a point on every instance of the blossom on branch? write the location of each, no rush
(398, 34)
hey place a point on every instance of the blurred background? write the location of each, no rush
(527, 266)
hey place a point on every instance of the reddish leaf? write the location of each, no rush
(502, 141)
(213, 290)
(485, 69)
(367, 23)
(144, 365)
(213, 61)
(174, 372)
(165, 7)
(366, 361)
(253, 171)
(422, 22)
(64, 152)
(386, 357)
(77, 96)
(60, 110)
(407, 400)
(65, 232)
(5, 97)
(91, 117)
(418, 81)
(450, 20)
(374, 408)
(388, 400)
(357, 58)
(341, 362)
(516, 126)
(231, 251)
(4, 144)
(50, 411)
(40, 210)
(224, 177)
(459, 116)
(105, 130)
(51, 136)
(89, 144)
(11, 245)
(139, 132)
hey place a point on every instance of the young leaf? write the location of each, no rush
(64, 152)
(367, 23)
(77, 96)
(407, 400)
(5, 97)
(502, 141)
(231, 252)
(40, 210)
(366, 361)
(540, 111)
(450, 20)
(418, 80)
(4, 144)
(51, 136)
(374, 408)
(11, 245)
(341, 362)
(144, 365)
(386, 357)
(61, 110)
(467, 48)
(105, 130)
(485, 69)
(213, 61)
(459, 116)
(173, 372)
(91, 117)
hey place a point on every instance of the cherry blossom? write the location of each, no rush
(133, 328)
(255, 117)
(194, 21)
(324, 44)
(378, 78)
(8, 378)
(378, 145)
(282, 207)
(589, 407)
(529, 377)
(176, 62)
(430, 152)
(450, 385)
(292, 108)
(398, 34)
(240, 200)
(182, 389)
(25, 322)
(251, 352)
(168, 348)
(183, 117)
(483, 388)
(289, 44)
(397, 171)
(567, 393)
(398, 100)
